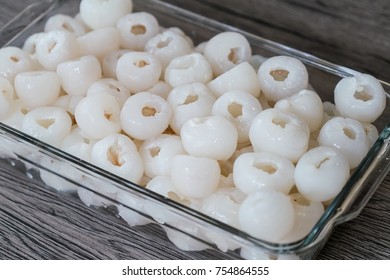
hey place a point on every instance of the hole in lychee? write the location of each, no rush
(266, 167)
(154, 151)
(141, 63)
(363, 96)
(108, 116)
(233, 55)
(235, 109)
(349, 133)
(191, 99)
(114, 157)
(46, 123)
(149, 111)
(279, 74)
(280, 122)
(138, 29)
(15, 59)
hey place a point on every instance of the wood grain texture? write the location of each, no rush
(38, 223)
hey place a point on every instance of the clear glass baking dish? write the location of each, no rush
(185, 227)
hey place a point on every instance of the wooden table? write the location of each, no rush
(37, 223)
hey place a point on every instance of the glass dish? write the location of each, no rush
(185, 227)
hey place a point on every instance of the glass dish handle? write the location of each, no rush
(24, 20)
(373, 169)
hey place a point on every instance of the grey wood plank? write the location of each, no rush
(37, 223)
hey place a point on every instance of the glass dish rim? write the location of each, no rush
(323, 226)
